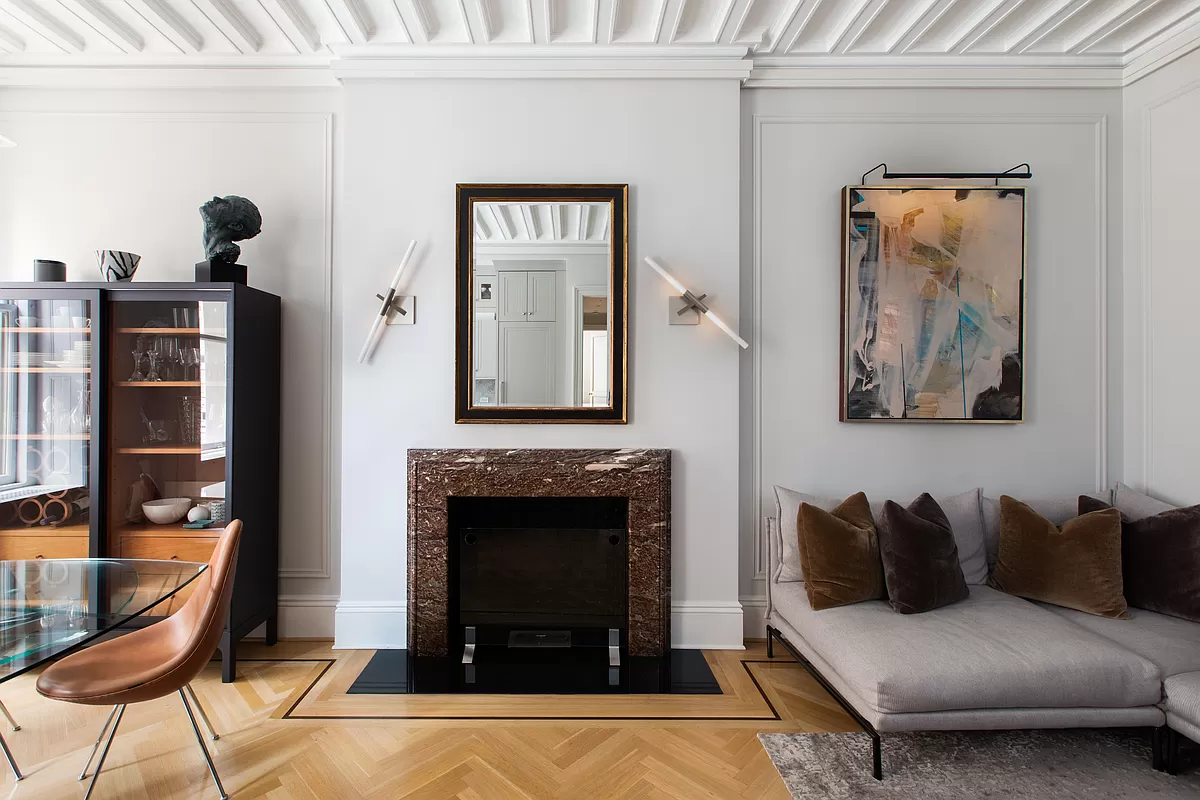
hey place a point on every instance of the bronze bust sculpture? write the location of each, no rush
(228, 220)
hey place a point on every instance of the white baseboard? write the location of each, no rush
(374, 625)
(754, 616)
(303, 616)
(706, 626)
(371, 625)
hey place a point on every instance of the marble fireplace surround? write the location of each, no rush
(641, 476)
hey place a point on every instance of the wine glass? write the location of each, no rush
(169, 353)
(191, 361)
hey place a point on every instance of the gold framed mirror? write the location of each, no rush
(541, 320)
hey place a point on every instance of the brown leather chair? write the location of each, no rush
(155, 661)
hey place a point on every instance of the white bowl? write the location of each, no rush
(168, 510)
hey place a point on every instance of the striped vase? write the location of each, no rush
(117, 265)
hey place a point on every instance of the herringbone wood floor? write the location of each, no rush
(281, 737)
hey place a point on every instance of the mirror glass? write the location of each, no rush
(542, 304)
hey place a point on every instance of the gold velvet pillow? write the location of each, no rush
(1076, 566)
(839, 554)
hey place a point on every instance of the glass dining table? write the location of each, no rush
(49, 607)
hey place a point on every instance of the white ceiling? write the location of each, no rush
(541, 222)
(1049, 34)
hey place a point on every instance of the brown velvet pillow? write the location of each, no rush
(920, 558)
(1077, 566)
(1160, 559)
(839, 554)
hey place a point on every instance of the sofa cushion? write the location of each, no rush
(1136, 505)
(1183, 696)
(991, 650)
(1173, 644)
(1056, 509)
(920, 560)
(963, 510)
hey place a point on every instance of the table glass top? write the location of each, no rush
(49, 606)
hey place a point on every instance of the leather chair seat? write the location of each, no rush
(133, 668)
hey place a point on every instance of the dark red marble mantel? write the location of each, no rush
(642, 476)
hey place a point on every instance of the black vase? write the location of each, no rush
(45, 270)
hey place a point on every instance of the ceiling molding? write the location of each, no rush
(765, 43)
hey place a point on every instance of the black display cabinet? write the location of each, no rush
(112, 394)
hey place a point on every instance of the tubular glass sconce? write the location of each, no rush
(687, 308)
(396, 309)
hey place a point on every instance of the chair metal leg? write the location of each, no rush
(9, 717)
(99, 739)
(12, 762)
(104, 752)
(212, 732)
(212, 768)
(770, 643)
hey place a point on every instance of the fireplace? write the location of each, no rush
(523, 565)
(535, 548)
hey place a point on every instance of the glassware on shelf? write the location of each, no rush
(81, 413)
(138, 356)
(189, 420)
(168, 348)
(155, 360)
(191, 363)
(156, 432)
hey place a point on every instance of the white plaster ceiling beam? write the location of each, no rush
(606, 21)
(906, 25)
(857, 25)
(353, 17)
(483, 23)
(230, 21)
(168, 22)
(674, 12)
(1051, 25)
(660, 18)
(1101, 24)
(792, 16)
(41, 22)
(10, 42)
(1117, 25)
(928, 22)
(1174, 17)
(96, 15)
(1035, 22)
(289, 16)
(986, 26)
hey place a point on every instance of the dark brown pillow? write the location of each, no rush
(839, 554)
(920, 558)
(1160, 559)
(1077, 566)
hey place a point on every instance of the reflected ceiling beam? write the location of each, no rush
(10, 42)
(602, 225)
(497, 221)
(1051, 25)
(556, 222)
(1095, 37)
(167, 21)
(362, 27)
(585, 213)
(295, 24)
(228, 19)
(95, 14)
(521, 213)
(529, 222)
(40, 21)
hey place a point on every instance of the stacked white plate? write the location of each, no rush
(24, 358)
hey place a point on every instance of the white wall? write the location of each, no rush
(129, 171)
(406, 144)
(802, 147)
(1162, 281)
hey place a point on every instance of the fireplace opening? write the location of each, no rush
(539, 571)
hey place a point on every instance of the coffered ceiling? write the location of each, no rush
(777, 39)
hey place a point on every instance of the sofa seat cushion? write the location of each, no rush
(1183, 696)
(991, 650)
(1173, 644)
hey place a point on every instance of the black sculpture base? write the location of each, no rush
(220, 272)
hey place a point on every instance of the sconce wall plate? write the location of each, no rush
(403, 310)
(681, 312)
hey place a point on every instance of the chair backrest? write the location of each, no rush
(195, 629)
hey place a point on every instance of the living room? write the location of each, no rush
(444, 146)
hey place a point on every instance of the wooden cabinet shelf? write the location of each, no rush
(156, 384)
(47, 437)
(19, 329)
(63, 370)
(162, 450)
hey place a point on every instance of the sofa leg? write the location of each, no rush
(1172, 751)
(876, 757)
(770, 643)
(1158, 748)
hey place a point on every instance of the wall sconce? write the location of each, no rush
(686, 309)
(396, 309)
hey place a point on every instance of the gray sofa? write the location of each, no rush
(992, 661)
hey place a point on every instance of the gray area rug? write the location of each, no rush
(1013, 765)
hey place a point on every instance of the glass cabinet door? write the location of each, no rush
(46, 420)
(167, 423)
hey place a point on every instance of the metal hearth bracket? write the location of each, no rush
(614, 657)
(468, 658)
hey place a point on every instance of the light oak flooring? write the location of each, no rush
(288, 730)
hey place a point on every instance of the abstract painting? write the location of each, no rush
(933, 304)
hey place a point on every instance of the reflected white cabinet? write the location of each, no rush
(526, 363)
(485, 344)
(526, 296)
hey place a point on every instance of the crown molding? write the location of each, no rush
(941, 72)
(216, 73)
(387, 62)
(1161, 51)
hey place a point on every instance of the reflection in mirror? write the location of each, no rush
(541, 305)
